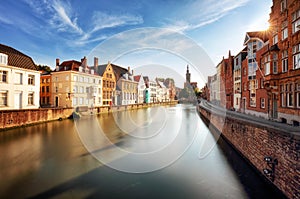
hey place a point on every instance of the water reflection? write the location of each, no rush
(49, 160)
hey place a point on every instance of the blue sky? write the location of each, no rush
(50, 29)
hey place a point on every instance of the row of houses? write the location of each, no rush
(263, 79)
(74, 84)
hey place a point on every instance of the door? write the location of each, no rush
(275, 111)
(56, 101)
(18, 100)
(244, 105)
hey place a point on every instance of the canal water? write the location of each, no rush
(159, 152)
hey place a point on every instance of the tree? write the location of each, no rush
(44, 68)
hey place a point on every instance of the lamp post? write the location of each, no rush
(270, 170)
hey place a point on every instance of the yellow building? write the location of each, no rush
(74, 84)
(109, 83)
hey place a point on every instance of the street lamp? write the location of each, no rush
(270, 170)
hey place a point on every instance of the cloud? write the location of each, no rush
(62, 17)
(59, 15)
(202, 13)
(102, 20)
(5, 20)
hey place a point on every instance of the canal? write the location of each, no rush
(159, 152)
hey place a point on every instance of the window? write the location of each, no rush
(47, 89)
(298, 94)
(75, 89)
(81, 101)
(296, 26)
(43, 89)
(237, 61)
(284, 61)
(3, 98)
(262, 102)
(275, 39)
(80, 89)
(290, 99)
(56, 79)
(30, 98)
(86, 101)
(261, 83)
(99, 100)
(3, 76)
(296, 21)
(267, 68)
(3, 59)
(56, 89)
(80, 79)
(67, 78)
(30, 79)
(284, 33)
(275, 63)
(74, 101)
(282, 5)
(296, 56)
(75, 78)
(87, 89)
(18, 78)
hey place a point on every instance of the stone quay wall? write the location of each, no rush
(255, 140)
(18, 118)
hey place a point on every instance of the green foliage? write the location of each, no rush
(44, 68)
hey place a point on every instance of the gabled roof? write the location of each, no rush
(261, 35)
(101, 69)
(146, 78)
(137, 78)
(17, 59)
(70, 65)
(118, 70)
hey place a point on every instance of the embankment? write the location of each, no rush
(272, 148)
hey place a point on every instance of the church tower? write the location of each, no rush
(188, 75)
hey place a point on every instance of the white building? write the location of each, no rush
(162, 92)
(237, 79)
(152, 90)
(141, 88)
(129, 89)
(19, 80)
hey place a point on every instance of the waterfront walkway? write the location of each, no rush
(250, 118)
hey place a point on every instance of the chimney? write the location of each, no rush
(84, 62)
(129, 69)
(57, 64)
(95, 62)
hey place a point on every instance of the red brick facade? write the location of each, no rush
(270, 85)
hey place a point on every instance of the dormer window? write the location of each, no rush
(3, 59)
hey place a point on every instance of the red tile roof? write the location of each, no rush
(263, 35)
(17, 59)
(137, 78)
(70, 65)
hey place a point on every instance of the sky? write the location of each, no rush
(156, 32)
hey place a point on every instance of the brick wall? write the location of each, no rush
(16, 118)
(255, 142)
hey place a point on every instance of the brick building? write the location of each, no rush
(269, 76)
(225, 68)
(283, 78)
(45, 89)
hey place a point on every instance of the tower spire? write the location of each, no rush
(188, 75)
